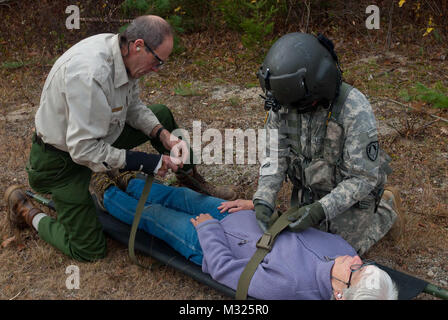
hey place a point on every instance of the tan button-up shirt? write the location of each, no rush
(86, 101)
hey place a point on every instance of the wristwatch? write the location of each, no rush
(159, 132)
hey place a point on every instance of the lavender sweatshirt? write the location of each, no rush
(298, 267)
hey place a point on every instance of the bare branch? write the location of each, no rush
(407, 106)
(105, 20)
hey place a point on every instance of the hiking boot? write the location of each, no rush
(20, 209)
(392, 196)
(122, 178)
(99, 182)
(193, 180)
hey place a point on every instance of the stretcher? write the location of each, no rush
(408, 286)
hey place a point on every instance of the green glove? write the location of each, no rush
(263, 214)
(307, 216)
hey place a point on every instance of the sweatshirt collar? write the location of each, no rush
(323, 278)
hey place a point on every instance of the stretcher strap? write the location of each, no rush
(264, 246)
(135, 223)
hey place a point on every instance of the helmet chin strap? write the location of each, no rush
(305, 109)
(307, 106)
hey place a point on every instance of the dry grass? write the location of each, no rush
(35, 270)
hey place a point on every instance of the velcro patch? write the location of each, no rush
(372, 150)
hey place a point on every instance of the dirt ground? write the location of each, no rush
(221, 91)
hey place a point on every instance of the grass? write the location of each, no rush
(187, 89)
(435, 97)
(12, 64)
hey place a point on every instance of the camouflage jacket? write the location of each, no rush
(342, 168)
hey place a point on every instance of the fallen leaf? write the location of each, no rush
(8, 241)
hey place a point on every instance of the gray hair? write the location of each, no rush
(152, 29)
(374, 284)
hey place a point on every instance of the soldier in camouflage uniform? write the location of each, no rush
(327, 146)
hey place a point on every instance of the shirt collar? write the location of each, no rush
(121, 75)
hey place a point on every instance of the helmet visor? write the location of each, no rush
(285, 88)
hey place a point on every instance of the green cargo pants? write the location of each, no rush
(77, 231)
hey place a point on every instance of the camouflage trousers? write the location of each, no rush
(362, 228)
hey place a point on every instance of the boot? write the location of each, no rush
(122, 178)
(20, 209)
(198, 184)
(99, 182)
(392, 196)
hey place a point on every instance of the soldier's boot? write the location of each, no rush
(122, 178)
(199, 184)
(392, 196)
(99, 182)
(20, 209)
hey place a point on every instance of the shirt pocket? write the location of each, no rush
(117, 121)
(236, 238)
(266, 169)
(119, 102)
(320, 175)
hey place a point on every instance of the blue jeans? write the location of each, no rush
(166, 215)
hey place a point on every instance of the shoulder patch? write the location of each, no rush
(372, 150)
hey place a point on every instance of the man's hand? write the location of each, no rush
(200, 218)
(169, 163)
(307, 216)
(236, 205)
(177, 147)
(263, 214)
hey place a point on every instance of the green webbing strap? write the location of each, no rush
(436, 291)
(135, 223)
(295, 196)
(264, 245)
(340, 101)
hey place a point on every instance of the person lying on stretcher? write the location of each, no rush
(221, 237)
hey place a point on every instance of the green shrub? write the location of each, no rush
(135, 7)
(432, 96)
(252, 18)
(436, 96)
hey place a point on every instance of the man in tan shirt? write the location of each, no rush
(90, 116)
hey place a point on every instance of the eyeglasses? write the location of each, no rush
(161, 62)
(353, 268)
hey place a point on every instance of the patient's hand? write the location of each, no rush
(200, 218)
(236, 205)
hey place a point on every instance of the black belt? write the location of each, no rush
(39, 141)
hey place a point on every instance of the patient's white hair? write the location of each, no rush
(374, 284)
